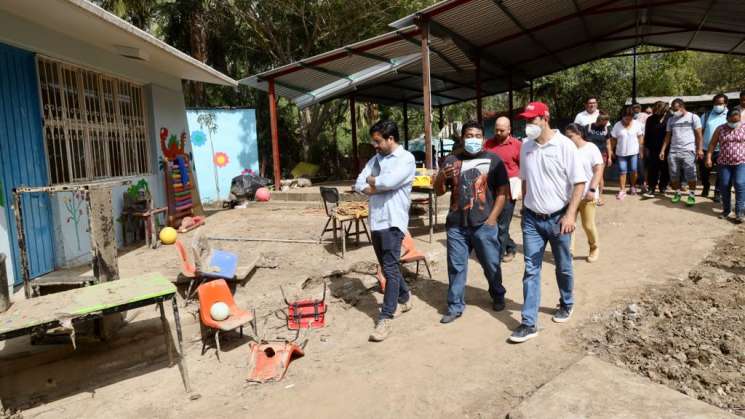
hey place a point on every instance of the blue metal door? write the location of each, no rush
(23, 159)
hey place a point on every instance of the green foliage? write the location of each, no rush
(244, 37)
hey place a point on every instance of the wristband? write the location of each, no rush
(592, 190)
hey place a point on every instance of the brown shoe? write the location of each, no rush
(382, 330)
(594, 255)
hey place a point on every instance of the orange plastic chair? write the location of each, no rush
(218, 291)
(188, 269)
(409, 254)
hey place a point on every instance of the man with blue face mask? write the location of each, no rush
(478, 183)
(712, 120)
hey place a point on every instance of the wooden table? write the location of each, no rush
(431, 206)
(65, 309)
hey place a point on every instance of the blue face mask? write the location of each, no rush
(472, 145)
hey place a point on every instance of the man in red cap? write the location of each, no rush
(553, 184)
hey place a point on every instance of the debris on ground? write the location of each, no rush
(690, 336)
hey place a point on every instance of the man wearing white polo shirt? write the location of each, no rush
(553, 183)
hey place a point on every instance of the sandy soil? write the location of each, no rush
(689, 335)
(425, 369)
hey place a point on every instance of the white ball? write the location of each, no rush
(219, 311)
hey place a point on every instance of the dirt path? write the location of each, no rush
(425, 369)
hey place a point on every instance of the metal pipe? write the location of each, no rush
(426, 92)
(275, 134)
(353, 117)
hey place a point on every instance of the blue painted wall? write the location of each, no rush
(23, 162)
(227, 151)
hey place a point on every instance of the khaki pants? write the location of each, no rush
(587, 212)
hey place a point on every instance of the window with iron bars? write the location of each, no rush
(94, 124)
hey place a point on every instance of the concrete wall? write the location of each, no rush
(227, 152)
(166, 110)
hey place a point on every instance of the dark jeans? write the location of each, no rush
(505, 218)
(485, 241)
(658, 172)
(387, 245)
(706, 173)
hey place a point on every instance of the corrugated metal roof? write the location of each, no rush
(525, 39)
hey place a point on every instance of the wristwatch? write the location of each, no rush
(592, 190)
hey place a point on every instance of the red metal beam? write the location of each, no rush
(275, 135)
(341, 54)
(648, 5)
(549, 23)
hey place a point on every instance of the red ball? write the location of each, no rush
(263, 194)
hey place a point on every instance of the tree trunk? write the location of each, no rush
(198, 47)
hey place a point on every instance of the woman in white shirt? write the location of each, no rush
(628, 136)
(592, 165)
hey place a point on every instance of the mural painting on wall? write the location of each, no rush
(208, 121)
(171, 146)
(75, 207)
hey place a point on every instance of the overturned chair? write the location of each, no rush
(409, 254)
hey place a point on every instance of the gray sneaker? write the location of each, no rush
(382, 330)
(563, 314)
(523, 333)
(404, 308)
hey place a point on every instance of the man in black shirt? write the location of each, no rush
(658, 175)
(478, 183)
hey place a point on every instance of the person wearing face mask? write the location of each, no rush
(712, 120)
(507, 148)
(685, 142)
(479, 186)
(658, 174)
(553, 185)
(741, 107)
(598, 133)
(730, 138)
(387, 179)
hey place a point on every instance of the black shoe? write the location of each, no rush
(498, 305)
(563, 314)
(450, 317)
(739, 219)
(705, 193)
(523, 333)
(724, 216)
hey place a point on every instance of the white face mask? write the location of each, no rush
(532, 131)
(733, 125)
(678, 114)
(720, 108)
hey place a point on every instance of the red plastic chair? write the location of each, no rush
(218, 291)
(409, 254)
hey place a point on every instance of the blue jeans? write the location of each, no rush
(504, 221)
(485, 241)
(537, 232)
(729, 175)
(387, 245)
(627, 164)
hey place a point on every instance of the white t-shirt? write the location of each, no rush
(627, 138)
(589, 157)
(550, 171)
(584, 118)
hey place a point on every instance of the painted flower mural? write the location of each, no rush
(198, 138)
(221, 159)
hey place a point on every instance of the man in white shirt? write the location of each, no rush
(387, 179)
(553, 184)
(590, 114)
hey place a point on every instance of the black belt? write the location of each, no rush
(546, 216)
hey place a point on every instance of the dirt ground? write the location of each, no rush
(425, 369)
(689, 335)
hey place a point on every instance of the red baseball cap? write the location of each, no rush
(534, 109)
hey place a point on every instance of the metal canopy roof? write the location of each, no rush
(515, 40)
